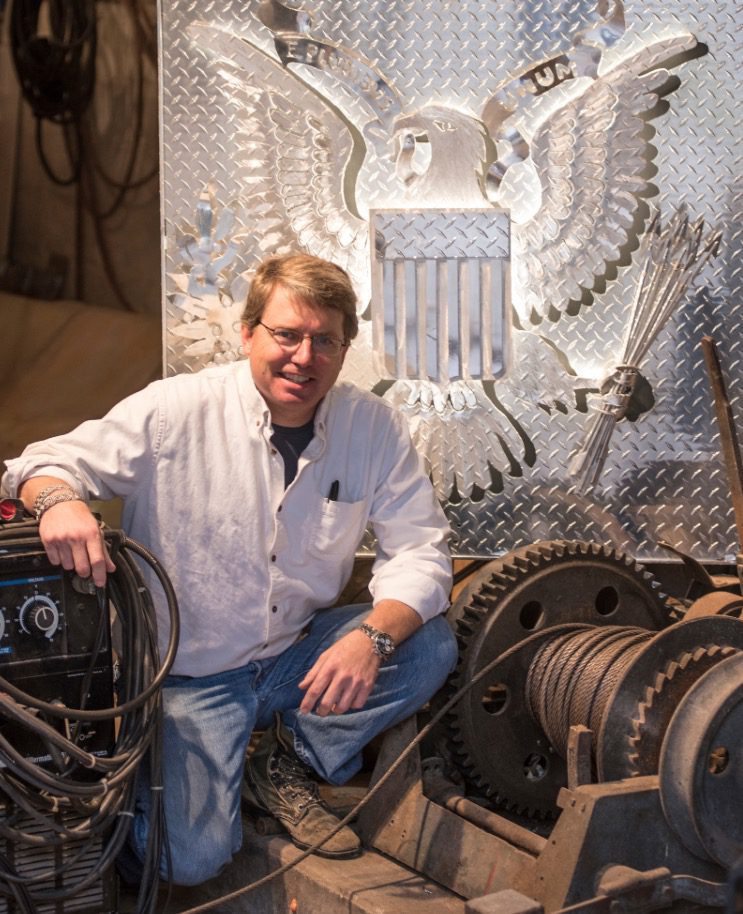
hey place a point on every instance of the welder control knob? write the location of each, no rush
(39, 616)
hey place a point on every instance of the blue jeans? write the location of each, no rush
(209, 720)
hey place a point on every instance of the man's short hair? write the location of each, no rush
(307, 279)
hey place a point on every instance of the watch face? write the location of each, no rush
(385, 645)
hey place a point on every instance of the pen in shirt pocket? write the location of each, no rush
(333, 493)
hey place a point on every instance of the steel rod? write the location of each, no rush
(728, 436)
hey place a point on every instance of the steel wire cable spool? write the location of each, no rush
(572, 676)
(552, 587)
(545, 609)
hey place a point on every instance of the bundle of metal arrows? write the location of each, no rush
(673, 257)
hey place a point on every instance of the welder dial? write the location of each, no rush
(2, 623)
(39, 616)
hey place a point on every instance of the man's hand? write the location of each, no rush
(73, 539)
(342, 677)
(69, 532)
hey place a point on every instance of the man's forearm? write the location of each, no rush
(396, 618)
(30, 489)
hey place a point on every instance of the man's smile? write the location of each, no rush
(296, 378)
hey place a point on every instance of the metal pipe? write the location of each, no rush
(490, 821)
(728, 437)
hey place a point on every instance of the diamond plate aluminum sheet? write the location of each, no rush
(285, 128)
(440, 293)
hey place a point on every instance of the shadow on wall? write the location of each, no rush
(64, 362)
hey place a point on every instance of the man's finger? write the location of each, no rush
(80, 560)
(100, 561)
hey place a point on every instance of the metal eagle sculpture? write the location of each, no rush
(323, 140)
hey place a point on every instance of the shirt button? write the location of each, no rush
(278, 510)
(273, 558)
(273, 451)
(274, 609)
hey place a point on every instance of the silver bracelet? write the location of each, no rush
(56, 497)
(48, 491)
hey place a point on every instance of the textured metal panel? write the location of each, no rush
(283, 130)
(440, 294)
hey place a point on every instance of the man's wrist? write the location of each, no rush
(382, 643)
(53, 495)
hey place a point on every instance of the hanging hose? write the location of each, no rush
(56, 52)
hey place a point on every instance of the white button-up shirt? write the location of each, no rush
(203, 489)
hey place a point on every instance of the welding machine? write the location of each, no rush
(72, 732)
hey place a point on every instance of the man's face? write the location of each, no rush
(293, 383)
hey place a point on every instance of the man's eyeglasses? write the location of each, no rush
(291, 340)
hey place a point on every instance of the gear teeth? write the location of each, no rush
(508, 573)
(491, 587)
(635, 759)
(535, 556)
(502, 579)
(544, 550)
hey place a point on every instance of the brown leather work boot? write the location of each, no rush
(280, 784)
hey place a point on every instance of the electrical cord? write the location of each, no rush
(57, 50)
(81, 796)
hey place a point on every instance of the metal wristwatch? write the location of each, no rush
(384, 646)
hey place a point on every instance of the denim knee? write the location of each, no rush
(435, 654)
(196, 864)
(190, 859)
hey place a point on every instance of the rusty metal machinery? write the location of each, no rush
(576, 598)
(595, 762)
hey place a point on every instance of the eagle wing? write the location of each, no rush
(297, 157)
(592, 159)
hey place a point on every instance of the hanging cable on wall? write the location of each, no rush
(59, 54)
(55, 63)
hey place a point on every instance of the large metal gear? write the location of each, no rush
(701, 775)
(683, 653)
(661, 700)
(525, 597)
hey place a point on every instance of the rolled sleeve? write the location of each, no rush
(413, 561)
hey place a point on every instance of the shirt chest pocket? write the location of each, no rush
(338, 527)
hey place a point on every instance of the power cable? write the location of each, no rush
(81, 796)
(57, 52)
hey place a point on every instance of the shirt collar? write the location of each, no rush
(259, 413)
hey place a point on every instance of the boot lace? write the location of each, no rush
(292, 777)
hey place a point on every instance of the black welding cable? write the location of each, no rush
(137, 701)
(106, 805)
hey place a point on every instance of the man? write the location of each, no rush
(254, 484)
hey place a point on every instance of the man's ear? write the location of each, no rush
(246, 335)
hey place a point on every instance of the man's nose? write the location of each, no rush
(304, 352)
